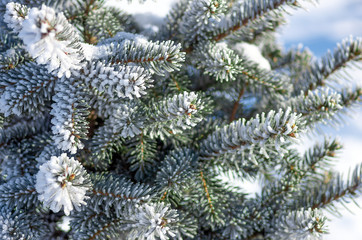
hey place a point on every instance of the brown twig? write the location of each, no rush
(207, 192)
(176, 83)
(120, 196)
(103, 229)
(236, 104)
(142, 60)
(325, 201)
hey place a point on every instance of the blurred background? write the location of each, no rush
(319, 28)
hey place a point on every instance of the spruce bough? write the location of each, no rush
(126, 130)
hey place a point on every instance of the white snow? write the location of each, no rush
(58, 186)
(39, 34)
(252, 53)
(12, 17)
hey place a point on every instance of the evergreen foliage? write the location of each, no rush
(127, 130)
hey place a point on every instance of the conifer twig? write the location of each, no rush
(236, 104)
(207, 191)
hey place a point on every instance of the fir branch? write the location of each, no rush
(270, 202)
(22, 128)
(224, 64)
(94, 225)
(348, 51)
(350, 97)
(157, 57)
(170, 30)
(12, 52)
(259, 131)
(316, 158)
(151, 221)
(102, 145)
(164, 139)
(324, 104)
(186, 226)
(103, 104)
(144, 221)
(22, 225)
(142, 156)
(174, 83)
(112, 193)
(49, 149)
(282, 191)
(295, 60)
(50, 39)
(19, 192)
(100, 232)
(176, 172)
(70, 112)
(19, 157)
(175, 114)
(116, 81)
(15, 15)
(251, 11)
(302, 224)
(86, 9)
(125, 121)
(252, 32)
(80, 220)
(326, 193)
(209, 194)
(199, 18)
(316, 106)
(25, 89)
(104, 22)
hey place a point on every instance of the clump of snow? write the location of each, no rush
(252, 53)
(64, 224)
(10, 53)
(15, 15)
(88, 51)
(49, 39)
(62, 182)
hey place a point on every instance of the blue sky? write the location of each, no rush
(324, 24)
(320, 29)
